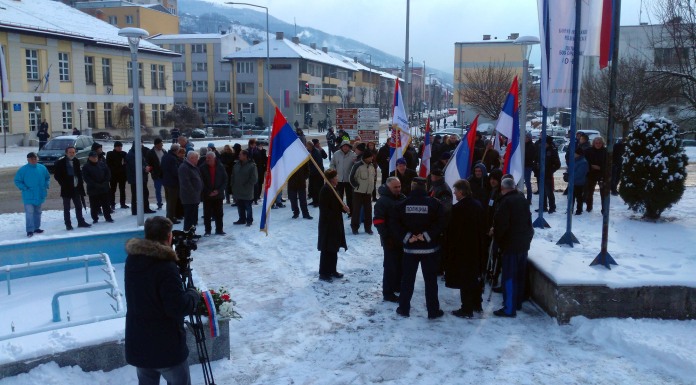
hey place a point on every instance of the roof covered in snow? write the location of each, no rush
(55, 19)
(283, 49)
(189, 36)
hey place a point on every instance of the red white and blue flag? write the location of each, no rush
(212, 314)
(606, 36)
(400, 130)
(424, 170)
(509, 125)
(460, 163)
(286, 155)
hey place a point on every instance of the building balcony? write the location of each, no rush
(352, 83)
(304, 98)
(331, 81)
(305, 77)
(331, 99)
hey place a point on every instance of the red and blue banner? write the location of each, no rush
(606, 38)
(286, 155)
(460, 163)
(212, 314)
(424, 170)
(509, 126)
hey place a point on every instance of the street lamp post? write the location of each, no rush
(526, 43)
(268, 56)
(79, 111)
(134, 35)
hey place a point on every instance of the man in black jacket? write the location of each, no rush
(389, 196)
(596, 157)
(97, 175)
(69, 176)
(116, 160)
(157, 304)
(418, 223)
(214, 179)
(513, 232)
(154, 159)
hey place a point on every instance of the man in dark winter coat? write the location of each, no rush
(170, 179)
(130, 162)
(553, 163)
(154, 159)
(69, 176)
(383, 161)
(43, 134)
(465, 249)
(155, 340)
(97, 175)
(190, 188)
(389, 196)
(259, 157)
(332, 235)
(116, 160)
(418, 223)
(297, 190)
(405, 175)
(530, 157)
(513, 232)
(580, 179)
(316, 180)
(214, 179)
(480, 187)
(596, 157)
(244, 180)
(331, 142)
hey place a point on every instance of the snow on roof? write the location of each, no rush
(287, 49)
(53, 18)
(189, 36)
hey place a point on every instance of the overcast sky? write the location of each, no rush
(435, 25)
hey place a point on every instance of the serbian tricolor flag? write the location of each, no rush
(212, 314)
(286, 155)
(459, 165)
(400, 130)
(509, 125)
(606, 39)
(424, 170)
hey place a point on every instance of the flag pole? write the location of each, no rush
(569, 238)
(604, 258)
(314, 162)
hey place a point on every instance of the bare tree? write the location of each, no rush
(485, 87)
(637, 90)
(182, 116)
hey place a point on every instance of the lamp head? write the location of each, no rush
(525, 42)
(134, 35)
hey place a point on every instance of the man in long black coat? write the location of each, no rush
(97, 175)
(465, 249)
(513, 232)
(69, 176)
(214, 179)
(389, 196)
(155, 340)
(116, 160)
(332, 235)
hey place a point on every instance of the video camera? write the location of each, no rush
(184, 243)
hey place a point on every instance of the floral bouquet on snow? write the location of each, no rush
(217, 304)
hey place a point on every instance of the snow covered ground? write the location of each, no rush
(299, 330)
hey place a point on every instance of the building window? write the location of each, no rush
(179, 86)
(178, 48)
(179, 67)
(32, 62)
(92, 114)
(89, 69)
(670, 56)
(199, 48)
(129, 19)
(245, 67)
(200, 86)
(106, 71)
(246, 108)
(33, 117)
(160, 76)
(108, 115)
(201, 108)
(222, 108)
(245, 88)
(130, 74)
(155, 115)
(199, 67)
(314, 69)
(153, 77)
(67, 115)
(113, 20)
(64, 66)
(222, 86)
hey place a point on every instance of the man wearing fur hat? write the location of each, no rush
(157, 304)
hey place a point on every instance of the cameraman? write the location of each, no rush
(157, 305)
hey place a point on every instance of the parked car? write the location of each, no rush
(102, 135)
(226, 130)
(263, 139)
(55, 149)
(198, 133)
(456, 131)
